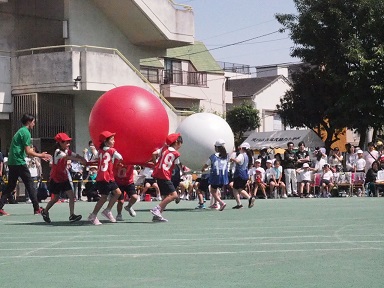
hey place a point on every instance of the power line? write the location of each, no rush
(220, 47)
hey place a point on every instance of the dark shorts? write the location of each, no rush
(106, 187)
(324, 181)
(166, 187)
(239, 183)
(306, 181)
(203, 184)
(216, 186)
(150, 181)
(57, 188)
(129, 189)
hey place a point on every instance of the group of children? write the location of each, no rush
(114, 177)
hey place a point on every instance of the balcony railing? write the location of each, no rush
(185, 78)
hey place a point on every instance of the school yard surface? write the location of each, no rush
(336, 242)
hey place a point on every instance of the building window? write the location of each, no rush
(152, 74)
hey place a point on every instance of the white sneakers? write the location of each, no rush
(130, 211)
(93, 219)
(108, 214)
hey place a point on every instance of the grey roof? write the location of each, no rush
(248, 87)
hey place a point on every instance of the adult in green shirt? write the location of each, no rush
(20, 148)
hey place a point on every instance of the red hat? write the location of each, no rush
(381, 158)
(61, 137)
(171, 138)
(105, 135)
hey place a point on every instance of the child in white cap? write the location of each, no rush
(305, 176)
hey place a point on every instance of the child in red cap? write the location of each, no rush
(167, 157)
(59, 179)
(105, 180)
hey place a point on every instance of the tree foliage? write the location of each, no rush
(243, 118)
(343, 41)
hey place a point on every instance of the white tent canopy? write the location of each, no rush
(279, 139)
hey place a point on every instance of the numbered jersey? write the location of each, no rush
(107, 158)
(219, 170)
(165, 164)
(59, 170)
(123, 174)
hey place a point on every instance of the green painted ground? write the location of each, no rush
(279, 243)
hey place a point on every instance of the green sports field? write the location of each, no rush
(336, 242)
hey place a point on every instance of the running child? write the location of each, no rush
(105, 180)
(240, 177)
(59, 176)
(124, 175)
(218, 176)
(167, 157)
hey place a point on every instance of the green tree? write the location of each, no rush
(241, 119)
(299, 107)
(344, 40)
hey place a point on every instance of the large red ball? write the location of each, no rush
(138, 118)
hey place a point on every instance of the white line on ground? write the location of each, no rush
(194, 245)
(136, 255)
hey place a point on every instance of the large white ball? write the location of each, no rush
(200, 132)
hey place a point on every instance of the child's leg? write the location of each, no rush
(236, 195)
(301, 189)
(245, 194)
(115, 195)
(119, 206)
(216, 195)
(132, 200)
(168, 199)
(99, 204)
(308, 188)
(54, 198)
(71, 197)
(262, 186)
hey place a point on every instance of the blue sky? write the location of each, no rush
(223, 22)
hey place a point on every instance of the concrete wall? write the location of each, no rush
(30, 23)
(88, 25)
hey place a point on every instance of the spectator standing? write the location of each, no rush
(290, 170)
(335, 160)
(90, 155)
(360, 162)
(302, 157)
(350, 158)
(19, 149)
(264, 157)
(76, 170)
(370, 156)
(34, 166)
(321, 159)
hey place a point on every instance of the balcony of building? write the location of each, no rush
(152, 23)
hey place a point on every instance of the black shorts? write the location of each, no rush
(216, 186)
(150, 181)
(166, 187)
(239, 183)
(57, 188)
(106, 187)
(324, 181)
(203, 184)
(306, 181)
(129, 189)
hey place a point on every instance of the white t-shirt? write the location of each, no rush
(305, 174)
(327, 175)
(360, 164)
